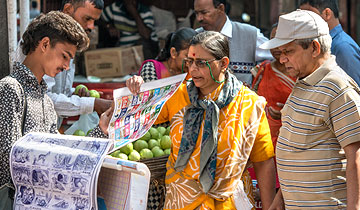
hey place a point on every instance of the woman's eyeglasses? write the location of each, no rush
(199, 63)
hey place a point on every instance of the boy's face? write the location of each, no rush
(57, 58)
(85, 14)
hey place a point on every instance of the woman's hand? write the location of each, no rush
(105, 119)
(134, 83)
(275, 114)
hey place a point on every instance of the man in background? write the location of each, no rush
(34, 11)
(244, 39)
(132, 23)
(345, 49)
(60, 89)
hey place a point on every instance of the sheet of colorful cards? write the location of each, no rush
(53, 171)
(134, 114)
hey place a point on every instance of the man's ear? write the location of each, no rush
(316, 48)
(327, 14)
(68, 9)
(44, 44)
(221, 7)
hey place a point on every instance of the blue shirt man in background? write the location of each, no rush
(345, 49)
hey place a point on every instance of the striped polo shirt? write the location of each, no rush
(117, 14)
(321, 116)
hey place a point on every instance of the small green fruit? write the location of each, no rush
(80, 87)
(161, 130)
(167, 151)
(165, 142)
(153, 142)
(127, 149)
(154, 133)
(146, 137)
(94, 93)
(146, 154)
(89, 132)
(115, 154)
(123, 156)
(79, 132)
(157, 151)
(140, 144)
(134, 156)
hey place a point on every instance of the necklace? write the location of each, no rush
(169, 68)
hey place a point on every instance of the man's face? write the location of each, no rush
(57, 58)
(85, 14)
(207, 15)
(297, 61)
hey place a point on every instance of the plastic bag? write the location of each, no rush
(85, 123)
(240, 198)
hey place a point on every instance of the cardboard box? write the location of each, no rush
(113, 62)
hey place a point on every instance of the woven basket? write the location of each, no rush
(157, 166)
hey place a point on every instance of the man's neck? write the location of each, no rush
(221, 24)
(333, 22)
(30, 63)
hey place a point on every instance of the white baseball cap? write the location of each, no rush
(299, 24)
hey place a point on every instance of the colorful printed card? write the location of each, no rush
(134, 114)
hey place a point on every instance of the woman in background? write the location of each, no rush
(169, 61)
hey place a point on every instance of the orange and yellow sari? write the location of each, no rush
(243, 134)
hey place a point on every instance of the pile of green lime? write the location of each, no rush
(80, 132)
(92, 93)
(155, 143)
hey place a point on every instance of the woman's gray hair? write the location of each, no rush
(324, 41)
(213, 42)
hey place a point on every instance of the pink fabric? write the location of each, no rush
(160, 68)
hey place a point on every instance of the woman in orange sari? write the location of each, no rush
(221, 129)
(273, 82)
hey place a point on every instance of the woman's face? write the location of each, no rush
(179, 60)
(200, 71)
(275, 52)
(57, 58)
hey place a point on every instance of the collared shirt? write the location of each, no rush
(117, 14)
(40, 113)
(260, 54)
(244, 42)
(347, 52)
(60, 91)
(320, 118)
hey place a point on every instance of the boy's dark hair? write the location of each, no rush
(180, 40)
(56, 25)
(323, 4)
(99, 4)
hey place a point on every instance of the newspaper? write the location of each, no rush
(134, 114)
(52, 171)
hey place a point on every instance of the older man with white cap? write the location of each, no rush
(318, 155)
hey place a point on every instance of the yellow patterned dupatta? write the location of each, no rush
(240, 123)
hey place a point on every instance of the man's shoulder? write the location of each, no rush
(337, 77)
(244, 26)
(344, 43)
(10, 85)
